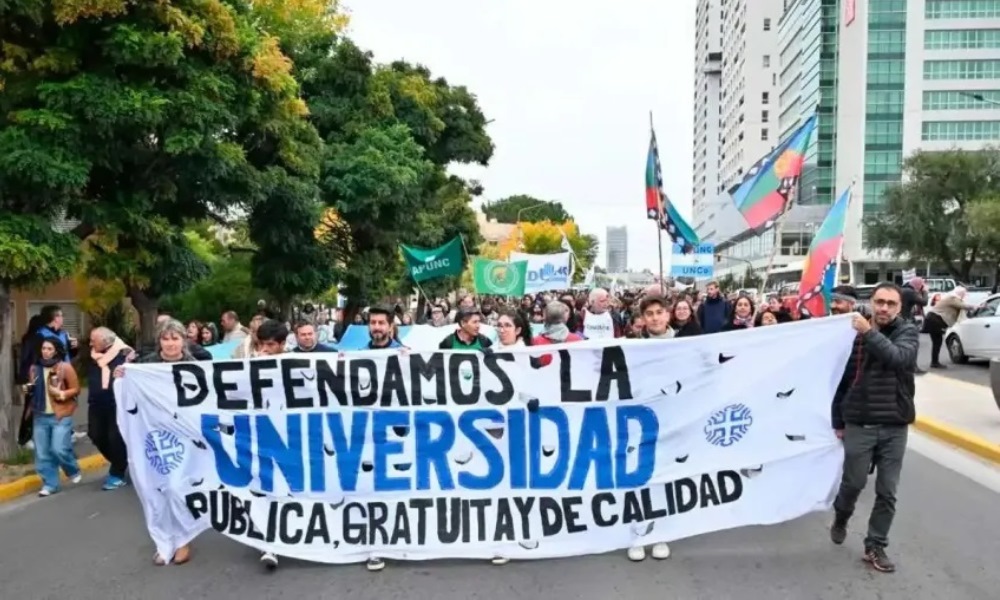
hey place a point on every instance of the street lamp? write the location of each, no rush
(538, 204)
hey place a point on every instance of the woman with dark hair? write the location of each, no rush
(512, 329)
(742, 317)
(53, 386)
(28, 348)
(683, 320)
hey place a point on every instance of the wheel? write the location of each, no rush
(955, 351)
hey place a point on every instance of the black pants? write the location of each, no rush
(102, 429)
(935, 327)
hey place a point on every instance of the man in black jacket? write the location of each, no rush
(872, 410)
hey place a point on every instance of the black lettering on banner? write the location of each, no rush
(686, 495)
(614, 367)
(597, 504)
(552, 519)
(480, 505)
(633, 508)
(568, 394)
(222, 387)
(291, 383)
(284, 535)
(360, 395)
(571, 514)
(330, 381)
(378, 515)
(317, 529)
(189, 394)
(448, 519)
(466, 526)
(421, 505)
(506, 393)
(707, 492)
(504, 531)
(648, 510)
(431, 370)
(197, 504)
(524, 506)
(393, 384)
(258, 382)
(252, 531)
(401, 526)
(456, 374)
(354, 533)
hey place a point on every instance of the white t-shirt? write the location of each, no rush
(598, 326)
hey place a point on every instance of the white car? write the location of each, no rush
(978, 335)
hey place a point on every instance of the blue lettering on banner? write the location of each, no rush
(728, 426)
(549, 272)
(705, 248)
(434, 449)
(164, 451)
(698, 271)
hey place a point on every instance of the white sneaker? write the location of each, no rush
(661, 551)
(500, 560)
(76, 478)
(375, 564)
(637, 553)
(269, 560)
(45, 492)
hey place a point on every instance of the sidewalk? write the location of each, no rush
(959, 413)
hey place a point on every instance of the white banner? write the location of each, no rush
(546, 272)
(414, 456)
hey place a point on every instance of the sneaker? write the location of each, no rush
(876, 556)
(637, 553)
(375, 564)
(76, 478)
(661, 551)
(838, 530)
(500, 560)
(269, 560)
(45, 492)
(113, 483)
(938, 366)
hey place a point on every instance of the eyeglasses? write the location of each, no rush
(885, 303)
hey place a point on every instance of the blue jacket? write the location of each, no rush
(713, 314)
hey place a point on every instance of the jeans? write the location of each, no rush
(53, 440)
(102, 429)
(883, 445)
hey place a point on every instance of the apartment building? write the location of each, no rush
(705, 185)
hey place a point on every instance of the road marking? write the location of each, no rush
(978, 470)
(979, 387)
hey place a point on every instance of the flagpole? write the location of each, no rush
(778, 234)
(659, 222)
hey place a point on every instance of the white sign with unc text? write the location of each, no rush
(543, 452)
(546, 272)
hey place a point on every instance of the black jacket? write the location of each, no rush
(877, 387)
(688, 329)
(452, 342)
(912, 302)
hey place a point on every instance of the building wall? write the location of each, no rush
(27, 303)
(707, 113)
(616, 250)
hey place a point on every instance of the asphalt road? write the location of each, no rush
(974, 372)
(86, 544)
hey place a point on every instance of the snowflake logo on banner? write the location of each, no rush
(728, 426)
(164, 451)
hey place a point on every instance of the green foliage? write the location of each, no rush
(32, 254)
(228, 286)
(984, 223)
(525, 209)
(927, 217)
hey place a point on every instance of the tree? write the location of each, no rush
(546, 238)
(928, 217)
(523, 208)
(32, 255)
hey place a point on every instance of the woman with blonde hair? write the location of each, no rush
(250, 347)
(948, 310)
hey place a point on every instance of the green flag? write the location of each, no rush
(443, 261)
(499, 278)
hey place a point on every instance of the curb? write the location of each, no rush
(32, 483)
(957, 437)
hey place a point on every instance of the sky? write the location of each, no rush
(570, 85)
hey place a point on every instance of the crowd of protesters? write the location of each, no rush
(879, 374)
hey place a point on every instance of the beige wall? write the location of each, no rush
(63, 293)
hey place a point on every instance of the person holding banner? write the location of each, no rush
(380, 329)
(513, 330)
(466, 336)
(656, 316)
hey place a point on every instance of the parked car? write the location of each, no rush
(978, 335)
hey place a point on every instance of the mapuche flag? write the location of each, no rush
(658, 206)
(764, 194)
(820, 267)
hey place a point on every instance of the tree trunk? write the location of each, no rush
(10, 405)
(421, 315)
(147, 307)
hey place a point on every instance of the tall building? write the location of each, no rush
(707, 111)
(617, 249)
(912, 76)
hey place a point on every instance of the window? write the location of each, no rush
(961, 39)
(886, 72)
(764, 116)
(72, 315)
(960, 100)
(961, 69)
(886, 42)
(988, 309)
(960, 131)
(765, 97)
(884, 133)
(767, 24)
(763, 135)
(883, 162)
(767, 61)
(961, 9)
(881, 102)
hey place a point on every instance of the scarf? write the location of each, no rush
(103, 359)
(557, 333)
(743, 321)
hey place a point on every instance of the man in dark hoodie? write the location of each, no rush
(715, 311)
